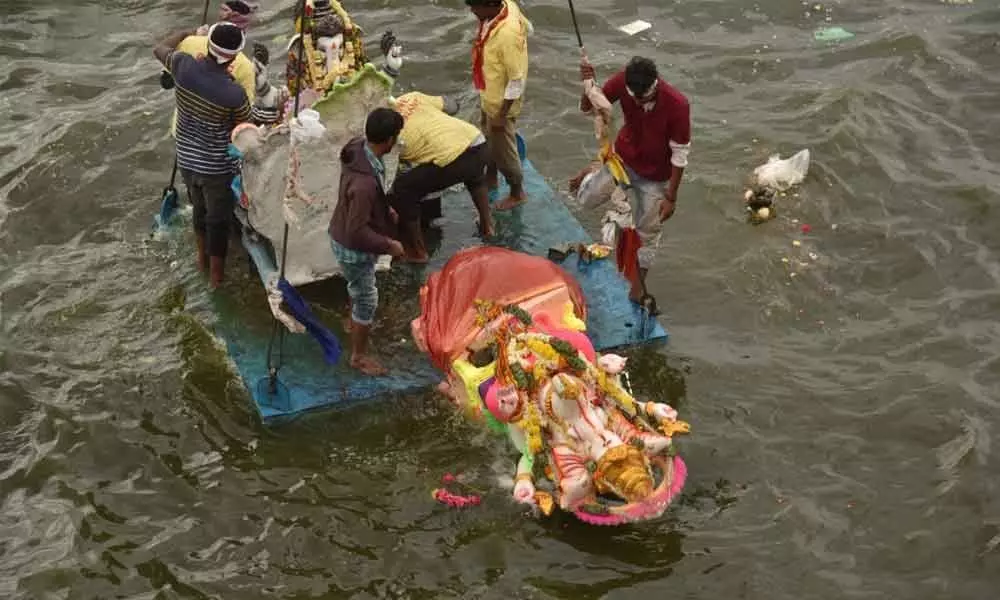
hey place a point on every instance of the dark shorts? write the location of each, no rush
(411, 186)
(212, 203)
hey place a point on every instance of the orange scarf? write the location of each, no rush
(478, 78)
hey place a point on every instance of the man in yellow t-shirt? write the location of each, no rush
(442, 151)
(499, 70)
(241, 69)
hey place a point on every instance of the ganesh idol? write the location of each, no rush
(516, 354)
(333, 50)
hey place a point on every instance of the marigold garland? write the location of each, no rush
(540, 371)
(503, 374)
(541, 348)
(531, 423)
(515, 345)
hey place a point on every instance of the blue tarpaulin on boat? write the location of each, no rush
(308, 383)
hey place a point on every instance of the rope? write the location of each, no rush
(273, 366)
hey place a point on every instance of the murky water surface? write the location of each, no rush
(843, 400)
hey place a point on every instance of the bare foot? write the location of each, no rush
(368, 365)
(511, 201)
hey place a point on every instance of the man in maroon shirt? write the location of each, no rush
(653, 144)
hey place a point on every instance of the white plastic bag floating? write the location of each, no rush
(307, 126)
(781, 174)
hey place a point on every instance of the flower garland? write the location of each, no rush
(531, 423)
(503, 374)
(446, 497)
(613, 390)
(487, 312)
(516, 346)
(540, 348)
(551, 355)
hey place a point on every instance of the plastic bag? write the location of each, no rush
(781, 174)
(307, 126)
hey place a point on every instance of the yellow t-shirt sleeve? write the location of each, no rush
(241, 68)
(514, 53)
(195, 45)
(244, 74)
(420, 99)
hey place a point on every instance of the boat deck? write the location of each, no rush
(542, 222)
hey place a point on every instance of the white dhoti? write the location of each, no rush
(636, 206)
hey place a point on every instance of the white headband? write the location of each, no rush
(646, 93)
(224, 55)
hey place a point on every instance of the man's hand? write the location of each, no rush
(586, 72)
(203, 30)
(667, 206)
(451, 105)
(395, 248)
(393, 216)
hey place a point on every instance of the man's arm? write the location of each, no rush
(612, 90)
(244, 112)
(165, 48)
(587, 73)
(669, 203)
(450, 105)
(359, 207)
(515, 62)
(680, 147)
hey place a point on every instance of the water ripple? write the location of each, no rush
(843, 391)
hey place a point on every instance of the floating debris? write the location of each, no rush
(637, 26)
(796, 243)
(832, 34)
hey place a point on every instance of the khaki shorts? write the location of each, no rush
(502, 146)
(638, 207)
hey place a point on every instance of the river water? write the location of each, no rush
(843, 402)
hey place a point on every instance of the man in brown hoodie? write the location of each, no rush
(363, 226)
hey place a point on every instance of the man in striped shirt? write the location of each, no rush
(209, 105)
